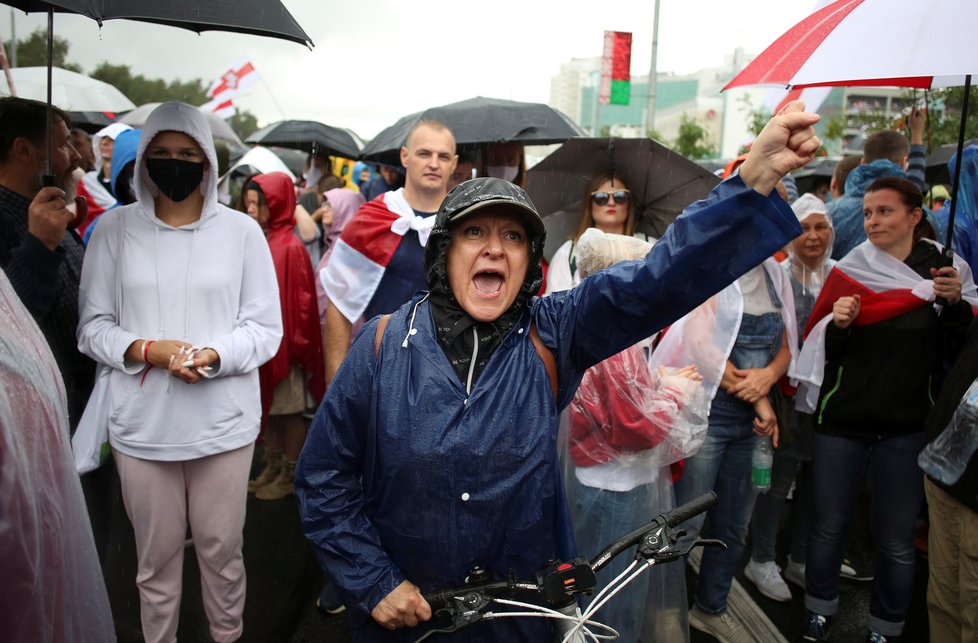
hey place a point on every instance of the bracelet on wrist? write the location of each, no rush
(146, 344)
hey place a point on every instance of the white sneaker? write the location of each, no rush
(795, 573)
(767, 577)
(723, 627)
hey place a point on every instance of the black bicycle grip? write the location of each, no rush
(684, 512)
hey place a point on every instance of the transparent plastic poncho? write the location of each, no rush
(52, 587)
(626, 425)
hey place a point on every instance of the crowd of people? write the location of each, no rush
(439, 397)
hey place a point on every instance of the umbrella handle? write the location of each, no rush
(946, 259)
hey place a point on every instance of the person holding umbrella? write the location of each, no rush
(875, 317)
(434, 449)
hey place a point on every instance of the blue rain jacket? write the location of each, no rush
(405, 476)
(966, 211)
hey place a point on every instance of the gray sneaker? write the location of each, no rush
(795, 573)
(723, 627)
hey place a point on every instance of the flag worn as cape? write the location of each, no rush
(364, 249)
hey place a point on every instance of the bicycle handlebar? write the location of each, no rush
(471, 595)
(669, 519)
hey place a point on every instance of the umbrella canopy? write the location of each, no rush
(835, 46)
(70, 91)
(220, 130)
(307, 136)
(662, 182)
(479, 120)
(256, 17)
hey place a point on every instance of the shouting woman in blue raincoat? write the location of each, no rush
(434, 449)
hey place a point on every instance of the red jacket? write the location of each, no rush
(301, 340)
(618, 409)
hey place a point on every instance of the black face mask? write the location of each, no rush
(175, 178)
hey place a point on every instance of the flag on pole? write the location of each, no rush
(223, 108)
(616, 66)
(239, 77)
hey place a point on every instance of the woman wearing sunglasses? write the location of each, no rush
(608, 206)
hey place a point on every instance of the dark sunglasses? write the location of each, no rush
(620, 196)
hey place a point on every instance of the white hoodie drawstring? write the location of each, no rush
(475, 354)
(411, 330)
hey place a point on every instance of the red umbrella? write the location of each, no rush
(858, 43)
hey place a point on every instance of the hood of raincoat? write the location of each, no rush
(112, 130)
(280, 195)
(451, 320)
(863, 175)
(124, 152)
(187, 119)
(468, 197)
(344, 204)
(966, 210)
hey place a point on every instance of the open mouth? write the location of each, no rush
(488, 282)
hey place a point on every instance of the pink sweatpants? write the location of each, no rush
(159, 496)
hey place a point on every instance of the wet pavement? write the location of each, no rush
(284, 581)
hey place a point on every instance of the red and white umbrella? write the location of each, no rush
(897, 43)
(922, 44)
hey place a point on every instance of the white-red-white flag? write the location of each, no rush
(223, 108)
(240, 76)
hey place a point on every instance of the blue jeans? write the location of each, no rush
(600, 517)
(723, 464)
(770, 505)
(897, 491)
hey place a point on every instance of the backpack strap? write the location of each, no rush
(381, 327)
(547, 356)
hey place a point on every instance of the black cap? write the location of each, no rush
(475, 194)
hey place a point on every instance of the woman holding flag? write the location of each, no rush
(881, 343)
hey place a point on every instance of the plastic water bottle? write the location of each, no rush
(760, 464)
(947, 456)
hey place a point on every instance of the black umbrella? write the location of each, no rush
(479, 120)
(308, 136)
(91, 122)
(258, 17)
(936, 163)
(662, 182)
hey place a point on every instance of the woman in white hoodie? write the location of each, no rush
(179, 300)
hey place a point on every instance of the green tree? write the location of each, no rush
(945, 116)
(757, 117)
(693, 141)
(944, 127)
(141, 90)
(33, 51)
(244, 124)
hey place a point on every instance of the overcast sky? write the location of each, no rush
(376, 61)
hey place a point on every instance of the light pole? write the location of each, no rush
(650, 105)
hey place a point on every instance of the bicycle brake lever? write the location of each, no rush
(466, 610)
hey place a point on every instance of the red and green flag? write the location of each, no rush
(616, 85)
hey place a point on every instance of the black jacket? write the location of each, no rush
(958, 380)
(881, 379)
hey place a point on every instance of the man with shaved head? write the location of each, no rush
(376, 264)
